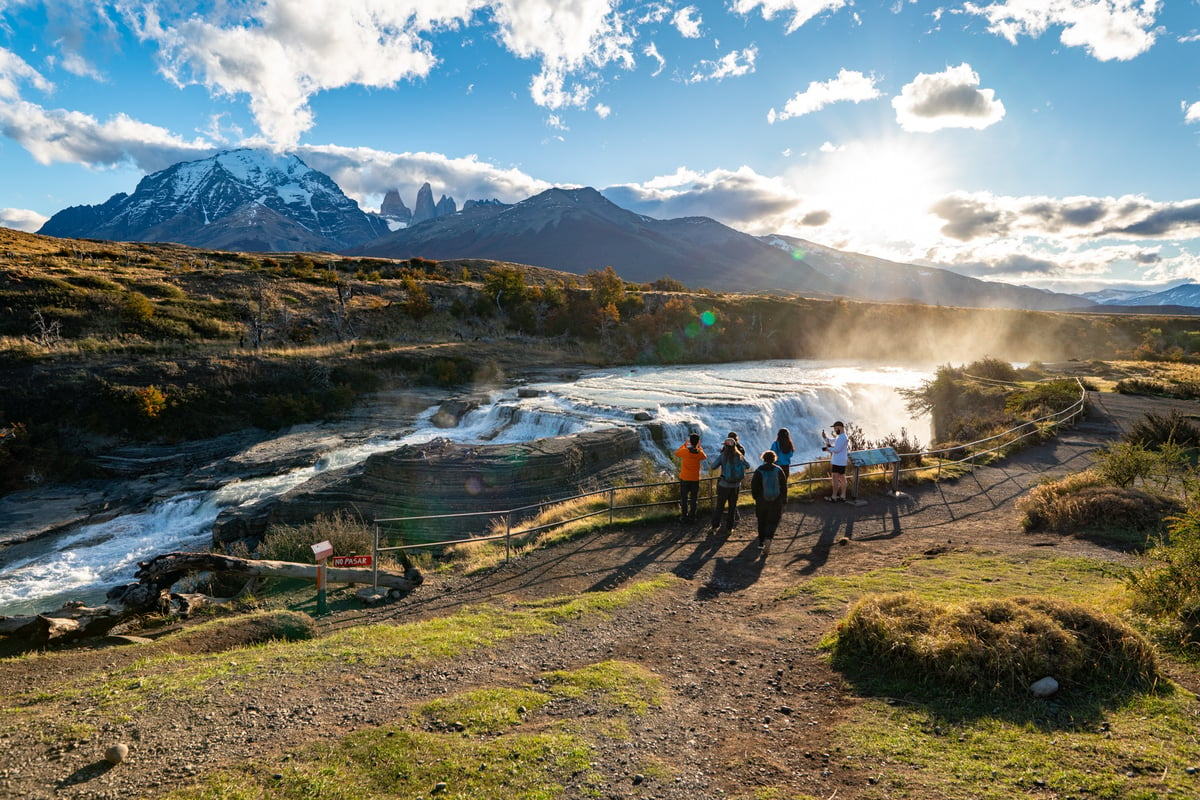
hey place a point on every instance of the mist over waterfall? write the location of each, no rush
(754, 399)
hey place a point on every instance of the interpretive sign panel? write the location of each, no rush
(870, 458)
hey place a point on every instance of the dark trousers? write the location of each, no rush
(689, 492)
(769, 513)
(727, 497)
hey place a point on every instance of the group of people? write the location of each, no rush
(768, 484)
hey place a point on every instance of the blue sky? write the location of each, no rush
(1053, 143)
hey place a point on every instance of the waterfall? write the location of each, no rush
(755, 399)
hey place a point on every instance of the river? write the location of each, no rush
(753, 398)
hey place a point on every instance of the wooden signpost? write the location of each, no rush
(322, 550)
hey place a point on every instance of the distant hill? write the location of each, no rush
(578, 230)
(870, 278)
(247, 200)
(1186, 295)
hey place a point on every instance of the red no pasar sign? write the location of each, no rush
(350, 561)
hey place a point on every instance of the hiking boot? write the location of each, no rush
(764, 548)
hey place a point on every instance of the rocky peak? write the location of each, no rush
(425, 209)
(393, 207)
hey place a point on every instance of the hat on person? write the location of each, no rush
(838, 424)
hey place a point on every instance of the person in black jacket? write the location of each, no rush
(768, 487)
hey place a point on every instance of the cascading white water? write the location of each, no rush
(755, 399)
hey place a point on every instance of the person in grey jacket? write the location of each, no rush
(733, 468)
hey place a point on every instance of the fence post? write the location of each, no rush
(612, 502)
(507, 535)
(375, 559)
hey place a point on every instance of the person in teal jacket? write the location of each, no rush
(783, 449)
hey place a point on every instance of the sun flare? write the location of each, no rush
(884, 189)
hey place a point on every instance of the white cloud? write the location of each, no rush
(366, 175)
(280, 53)
(566, 38)
(732, 65)
(740, 198)
(980, 215)
(830, 147)
(847, 86)
(1191, 113)
(950, 99)
(76, 64)
(687, 21)
(651, 51)
(801, 10)
(21, 219)
(14, 71)
(602, 111)
(1108, 29)
(57, 135)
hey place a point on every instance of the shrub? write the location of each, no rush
(1114, 512)
(1154, 430)
(908, 449)
(348, 534)
(990, 647)
(1043, 398)
(993, 369)
(1167, 585)
(1122, 463)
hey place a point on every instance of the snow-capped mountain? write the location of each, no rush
(1187, 294)
(236, 200)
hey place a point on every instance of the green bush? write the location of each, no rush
(993, 369)
(1167, 585)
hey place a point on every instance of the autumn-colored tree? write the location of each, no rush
(417, 302)
(607, 287)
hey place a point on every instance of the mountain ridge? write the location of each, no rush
(253, 201)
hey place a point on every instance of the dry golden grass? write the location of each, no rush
(993, 646)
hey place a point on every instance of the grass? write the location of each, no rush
(489, 742)
(1138, 750)
(395, 762)
(411, 645)
(959, 575)
(935, 742)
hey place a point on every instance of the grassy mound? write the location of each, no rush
(227, 633)
(989, 647)
(1086, 504)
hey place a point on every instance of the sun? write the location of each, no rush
(878, 191)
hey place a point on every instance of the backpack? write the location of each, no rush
(770, 482)
(733, 471)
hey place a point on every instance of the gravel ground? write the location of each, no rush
(749, 699)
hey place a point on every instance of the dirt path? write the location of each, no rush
(750, 700)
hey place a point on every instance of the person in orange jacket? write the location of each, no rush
(691, 456)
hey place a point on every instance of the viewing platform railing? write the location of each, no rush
(504, 521)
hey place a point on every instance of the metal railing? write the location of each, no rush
(802, 473)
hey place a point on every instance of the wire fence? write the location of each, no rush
(614, 500)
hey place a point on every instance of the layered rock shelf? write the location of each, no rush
(444, 477)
